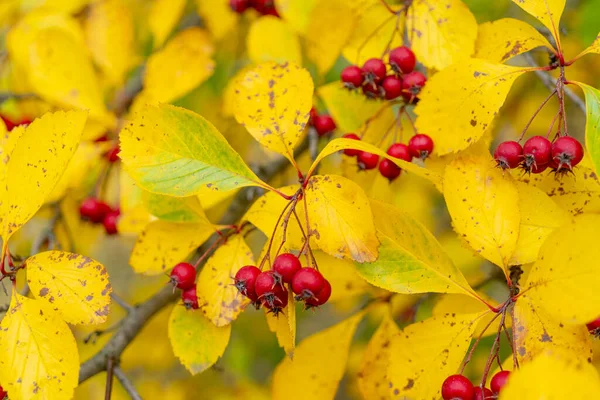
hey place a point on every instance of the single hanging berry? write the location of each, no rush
(457, 387)
(402, 60)
(412, 84)
(239, 6)
(352, 77)
(190, 299)
(307, 283)
(374, 70)
(392, 87)
(482, 394)
(268, 288)
(367, 160)
(183, 276)
(110, 222)
(499, 380)
(351, 152)
(286, 265)
(93, 210)
(567, 152)
(537, 152)
(324, 124)
(389, 170)
(508, 154)
(245, 280)
(401, 151)
(321, 297)
(420, 146)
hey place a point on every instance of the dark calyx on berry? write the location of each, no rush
(270, 291)
(567, 152)
(286, 265)
(321, 297)
(352, 77)
(420, 146)
(537, 153)
(183, 276)
(190, 299)
(374, 70)
(412, 84)
(457, 387)
(351, 152)
(508, 154)
(402, 60)
(245, 280)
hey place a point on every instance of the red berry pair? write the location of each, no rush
(183, 276)
(264, 7)
(322, 123)
(97, 211)
(459, 387)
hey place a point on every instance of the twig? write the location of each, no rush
(5, 96)
(110, 366)
(126, 383)
(4, 308)
(120, 301)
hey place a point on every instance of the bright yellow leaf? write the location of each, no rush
(592, 123)
(164, 16)
(175, 209)
(273, 102)
(459, 103)
(499, 41)
(74, 285)
(134, 215)
(551, 378)
(548, 12)
(296, 13)
(195, 340)
(484, 205)
(284, 325)
(38, 353)
(452, 303)
(345, 281)
(219, 299)
(163, 244)
(271, 39)
(219, 17)
(427, 352)
(62, 6)
(318, 365)
(340, 217)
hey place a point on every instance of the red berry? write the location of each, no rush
(367, 160)
(190, 299)
(538, 169)
(113, 154)
(239, 6)
(286, 265)
(482, 394)
(372, 90)
(420, 146)
(412, 84)
(307, 282)
(183, 276)
(352, 77)
(110, 222)
(313, 114)
(402, 60)
(593, 325)
(245, 280)
(270, 291)
(93, 210)
(3, 393)
(537, 152)
(457, 387)
(498, 381)
(351, 152)
(9, 123)
(508, 154)
(374, 70)
(320, 298)
(103, 138)
(389, 170)
(324, 124)
(567, 152)
(400, 151)
(264, 7)
(392, 87)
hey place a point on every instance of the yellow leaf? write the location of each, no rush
(373, 381)
(345, 281)
(340, 217)
(134, 215)
(163, 244)
(175, 209)
(548, 12)
(273, 102)
(183, 64)
(484, 205)
(164, 16)
(195, 340)
(499, 41)
(318, 366)
(38, 353)
(217, 14)
(63, 6)
(551, 378)
(173, 151)
(219, 299)
(593, 48)
(592, 122)
(271, 39)
(349, 110)
(297, 13)
(284, 325)
(36, 159)
(75, 286)
(426, 353)
(459, 103)
(565, 279)
(452, 303)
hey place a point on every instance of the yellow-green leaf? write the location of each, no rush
(548, 12)
(164, 15)
(219, 17)
(297, 13)
(318, 365)
(183, 64)
(219, 299)
(38, 353)
(565, 279)
(174, 151)
(195, 340)
(162, 244)
(592, 123)
(74, 285)
(340, 217)
(273, 102)
(451, 303)
(459, 103)
(175, 209)
(426, 353)
(484, 205)
(271, 39)
(499, 41)
(284, 325)
(551, 378)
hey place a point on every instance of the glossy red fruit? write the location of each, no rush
(457, 387)
(538, 169)
(307, 282)
(351, 152)
(374, 70)
(110, 222)
(367, 160)
(402, 60)
(372, 90)
(183, 276)
(392, 87)
(412, 84)
(508, 154)
(320, 298)
(190, 298)
(270, 291)
(245, 280)
(498, 381)
(537, 152)
(264, 7)
(593, 325)
(400, 150)
(94, 210)
(324, 124)
(239, 6)
(3, 393)
(420, 146)
(567, 152)
(113, 154)
(389, 170)
(286, 265)
(313, 114)
(482, 394)
(352, 77)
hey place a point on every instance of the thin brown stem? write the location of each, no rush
(546, 100)
(472, 350)
(110, 364)
(495, 349)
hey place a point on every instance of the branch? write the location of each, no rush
(126, 383)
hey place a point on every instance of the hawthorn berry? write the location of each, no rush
(389, 170)
(392, 87)
(245, 280)
(498, 381)
(190, 299)
(537, 152)
(367, 160)
(270, 290)
(277, 303)
(508, 154)
(402, 60)
(400, 150)
(113, 154)
(372, 90)
(351, 152)
(352, 77)
(593, 325)
(307, 283)
(412, 84)
(313, 114)
(567, 152)
(482, 394)
(457, 387)
(110, 222)
(374, 70)
(94, 210)
(239, 6)
(3, 393)
(321, 297)
(324, 124)
(183, 276)
(420, 146)
(264, 7)
(286, 265)
(538, 169)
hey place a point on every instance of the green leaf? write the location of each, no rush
(175, 209)
(592, 123)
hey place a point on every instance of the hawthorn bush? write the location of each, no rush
(299, 199)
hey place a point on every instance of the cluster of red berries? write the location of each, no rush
(375, 82)
(459, 387)
(10, 125)
(183, 276)
(323, 123)
(538, 154)
(419, 146)
(98, 212)
(267, 288)
(264, 7)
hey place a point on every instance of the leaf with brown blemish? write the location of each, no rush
(548, 12)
